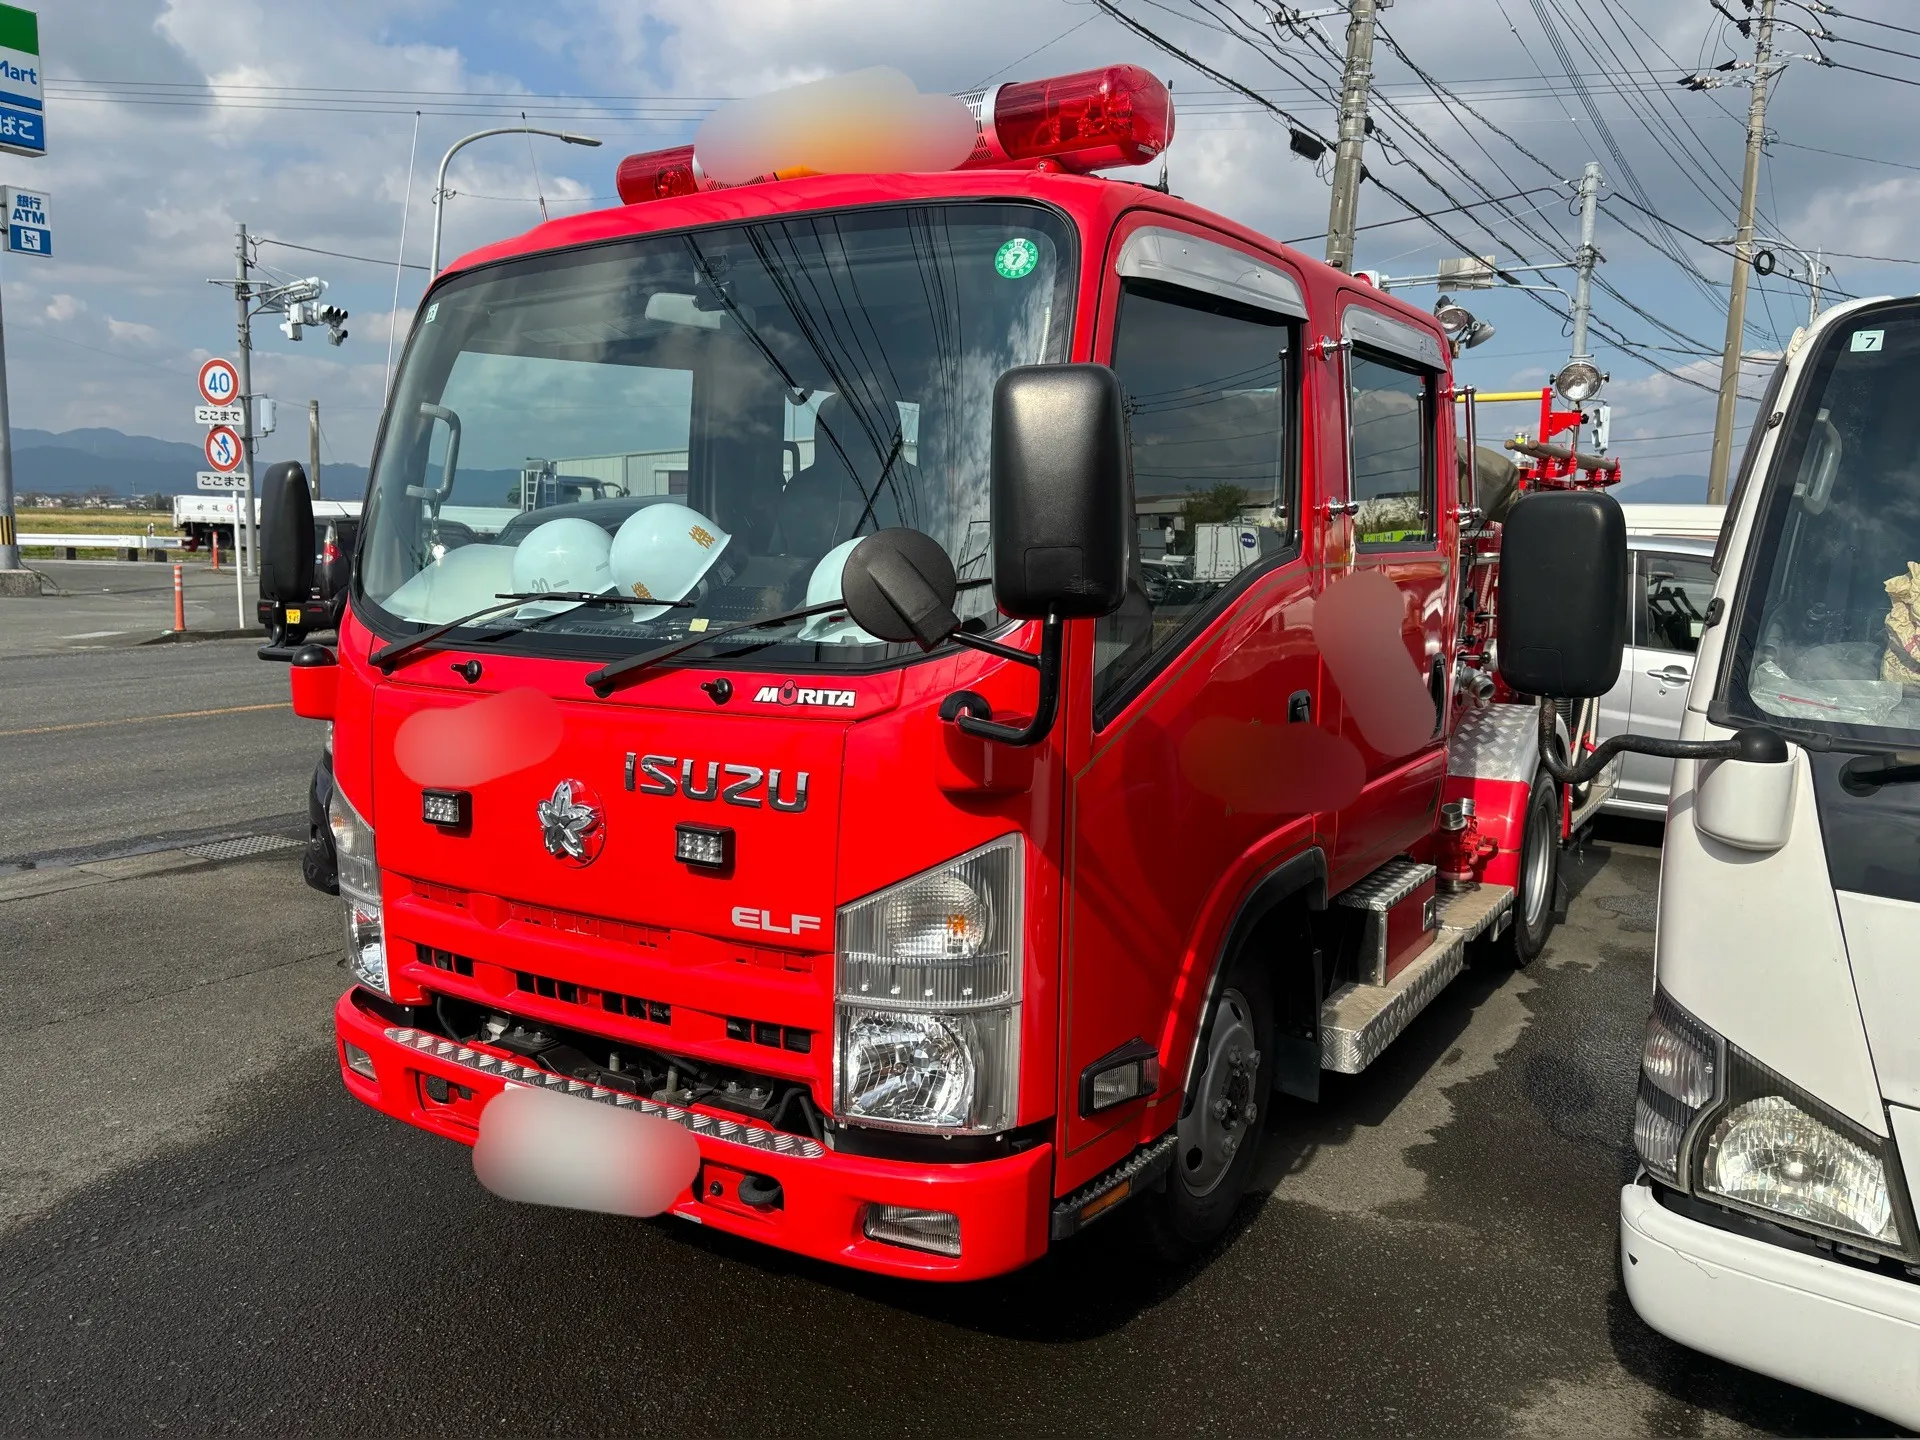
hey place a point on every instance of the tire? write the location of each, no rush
(1215, 1155)
(1526, 933)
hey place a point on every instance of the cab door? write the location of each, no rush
(1383, 623)
(1196, 753)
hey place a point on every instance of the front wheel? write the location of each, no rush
(1217, 1140)
(1526, 933)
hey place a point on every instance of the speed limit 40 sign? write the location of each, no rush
(219, 383)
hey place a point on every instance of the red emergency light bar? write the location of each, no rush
(1093, 120)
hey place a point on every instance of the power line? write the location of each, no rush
(1868, 20)
(333, 254)
(1876, 74)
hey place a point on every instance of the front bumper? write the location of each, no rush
(1836, 1330)
(1004, 1205)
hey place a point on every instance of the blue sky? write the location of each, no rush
(171, 119)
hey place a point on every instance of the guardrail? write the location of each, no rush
(130, 546)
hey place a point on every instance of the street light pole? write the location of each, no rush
(440, 184)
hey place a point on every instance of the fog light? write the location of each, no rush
(933, 1230)
(359, 1061)
(709, 846)
(1125, 1074)
(449, 809)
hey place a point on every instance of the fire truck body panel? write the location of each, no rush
(1248, 756)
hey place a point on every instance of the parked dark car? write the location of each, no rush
(333, 542)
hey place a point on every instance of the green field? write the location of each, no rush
(88, 522)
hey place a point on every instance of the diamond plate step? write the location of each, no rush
(1358, 1022)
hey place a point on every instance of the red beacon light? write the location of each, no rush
(1092, 120)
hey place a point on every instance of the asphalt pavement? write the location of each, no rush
(200, 1230)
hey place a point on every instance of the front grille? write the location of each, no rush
(777, 1037)
(614, 1003)
(444, 960)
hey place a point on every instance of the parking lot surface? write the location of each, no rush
(200, 1230)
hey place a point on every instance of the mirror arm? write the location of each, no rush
(969, 711)
(994, 647)
(1757, 744)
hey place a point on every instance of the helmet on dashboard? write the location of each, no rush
(454, 583)
(568, 554)
(824, 585)
(662, 552)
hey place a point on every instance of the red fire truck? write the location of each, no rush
(1014, 696)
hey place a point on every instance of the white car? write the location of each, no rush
(1672, 585)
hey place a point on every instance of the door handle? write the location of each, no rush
(1333, 509)
(1299, 707)
(1672, 675)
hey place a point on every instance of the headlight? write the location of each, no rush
(928, 982)
(359, 877)
(1771, 1154)
(1678, 1067)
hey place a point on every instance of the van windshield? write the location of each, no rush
(712, 418)
(1830, 640)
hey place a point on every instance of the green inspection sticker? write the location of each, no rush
(1015, 259)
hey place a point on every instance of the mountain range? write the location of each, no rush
(74, 462)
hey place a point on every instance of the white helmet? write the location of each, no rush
(662, 552)
(824, 585)
(459, 582)
(568, 554)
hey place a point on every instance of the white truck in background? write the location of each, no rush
(201, 517)
(1777, 1122)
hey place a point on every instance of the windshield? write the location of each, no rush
(1830, 637)
(711, 418)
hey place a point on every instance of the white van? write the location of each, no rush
(1778, 1122)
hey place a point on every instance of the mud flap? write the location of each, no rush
(1296, 1054)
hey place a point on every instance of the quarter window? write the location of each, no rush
(1390, 424)
(1208, 404)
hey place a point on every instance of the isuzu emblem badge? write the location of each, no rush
(570, 823)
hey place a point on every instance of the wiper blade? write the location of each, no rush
(604, 680)
(394, 654)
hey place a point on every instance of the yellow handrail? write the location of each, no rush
(1488, 397)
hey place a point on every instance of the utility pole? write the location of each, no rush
(1585, 260)
(313, 447)
(243, 498)
(9, 536)
(1742, 261)
(1347, 167)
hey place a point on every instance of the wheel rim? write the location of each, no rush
(1539, 865)
(1223, 1116)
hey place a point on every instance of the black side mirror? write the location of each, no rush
(1562, 611)
(899, 585)
(1062, 492)
(286, 534)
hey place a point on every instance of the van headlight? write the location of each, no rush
(1712, 1120)
(359, 878)
(927, 983)
(1772, 1153)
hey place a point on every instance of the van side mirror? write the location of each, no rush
(1062, 492)
(286, 534)
(1562, 610)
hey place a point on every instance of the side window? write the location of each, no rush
(1674, 592)
(1209, 405)
(1390, 425)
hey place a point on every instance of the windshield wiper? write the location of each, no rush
(605, 679)
(1863, 775)
(394, 654)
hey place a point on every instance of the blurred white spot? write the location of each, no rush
(869, 121)
(546, 1149)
